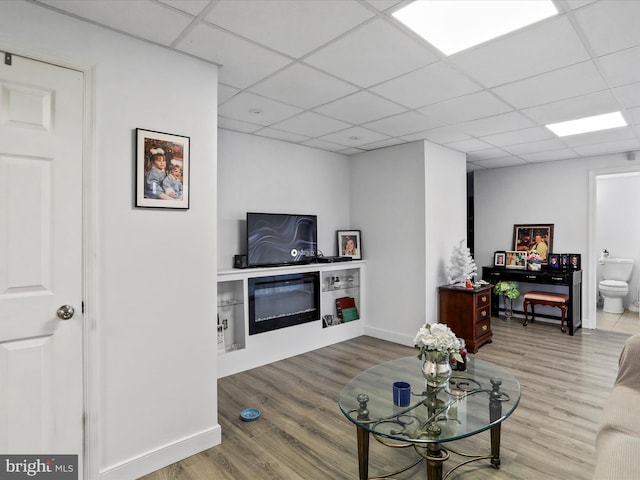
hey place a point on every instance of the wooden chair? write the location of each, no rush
(559, 300)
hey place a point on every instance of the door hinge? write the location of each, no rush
(83, 307)
(7, 58)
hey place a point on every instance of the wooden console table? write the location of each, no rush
(571, 279)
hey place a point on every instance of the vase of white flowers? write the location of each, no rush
(436, 344)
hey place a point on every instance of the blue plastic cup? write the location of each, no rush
(401, 394)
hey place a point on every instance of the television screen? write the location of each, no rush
(280, 239)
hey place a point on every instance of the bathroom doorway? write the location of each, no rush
(615, 215)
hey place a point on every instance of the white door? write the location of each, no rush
(41, 394)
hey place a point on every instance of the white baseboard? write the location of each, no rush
(388, 335)
(160, 458)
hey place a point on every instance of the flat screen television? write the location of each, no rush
(280, 239)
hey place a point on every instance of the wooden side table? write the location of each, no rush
(467, 311)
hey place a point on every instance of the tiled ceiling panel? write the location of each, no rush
(345, 76)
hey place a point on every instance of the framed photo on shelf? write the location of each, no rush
(516, 259)
(538, 237)
(499, 259)
(564, 261)
(162, 170)
(349, 244)
(574, 261)
(554, 261)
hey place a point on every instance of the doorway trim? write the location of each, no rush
(591, 280)
(90, 454)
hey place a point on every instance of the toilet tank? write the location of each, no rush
(617, 268)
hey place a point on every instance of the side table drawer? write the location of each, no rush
(483, 314)
(483, 327)
(483, 299)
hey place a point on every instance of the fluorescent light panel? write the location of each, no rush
(588, 124)
(452, 26)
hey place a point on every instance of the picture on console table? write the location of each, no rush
(349, 244)
(574, 261)
(516, 259)
(162, 170)
(538, 237)
(499, 259)
(554, 261)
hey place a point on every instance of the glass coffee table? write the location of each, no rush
(476, 400)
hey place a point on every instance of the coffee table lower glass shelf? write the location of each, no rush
(476, 400)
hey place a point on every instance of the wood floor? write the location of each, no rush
(302, 435)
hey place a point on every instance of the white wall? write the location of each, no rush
(264, 175)
(556, 192)
(156, 269)
(618, 208)
(410, 202)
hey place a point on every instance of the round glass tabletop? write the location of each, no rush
(473, 401)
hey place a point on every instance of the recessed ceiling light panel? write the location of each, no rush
(588, 124)
(452, 26)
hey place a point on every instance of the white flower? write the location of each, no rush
(437, 337)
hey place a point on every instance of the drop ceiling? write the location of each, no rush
(345, 76)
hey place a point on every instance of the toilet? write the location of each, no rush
(616, 273)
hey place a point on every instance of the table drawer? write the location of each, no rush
(483, 327)
(483, 299)
(483, 313)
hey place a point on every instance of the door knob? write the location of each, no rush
(65, 312)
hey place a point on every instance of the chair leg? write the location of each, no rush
(526, 317)
(564, 315)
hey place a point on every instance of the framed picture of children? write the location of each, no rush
(162, 170)
(349, 244)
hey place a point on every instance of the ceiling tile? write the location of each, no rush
(469, 145)
(578, 107)
(549, 87)
(621, 68)
(532, 147)
(383, 5)
(608, 147)
(322, 145)
(281, 135)
(518, 136)
(629, 95)
(469, 107)
(500, 162)
(390, 142)
(371, 54)
(430, 84)
(242, 63)
(549, 156)
(256, 109)
(540, 48)
(193, 7)
(402, 124)
(610, 25)
(289, 26)
(225, 92)
(505, 122)
(161, 24)
(354, 137)
(303, 86)
(311, 124)
(634, 114)
(237, 125)
(439, 135)
(487, 154)
(360, 107)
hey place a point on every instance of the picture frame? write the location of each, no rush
(535, 236)
(516, 259)
(574, 261)
(162, 170)
(349, 244)
(500, 259)
(554, 261)
(564, 261)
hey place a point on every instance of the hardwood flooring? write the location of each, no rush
(302, 435)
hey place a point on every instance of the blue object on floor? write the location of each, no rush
(249, 414)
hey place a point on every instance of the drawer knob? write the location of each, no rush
(484, 328)
(484, 314)
(484, 298)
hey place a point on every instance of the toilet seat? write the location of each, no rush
(613, 285)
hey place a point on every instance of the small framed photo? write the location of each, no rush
(516, 259)
(538, 237)
(349, 244)
(162, 170)
(554, 261)
(574, 261)
(564, 261)
(499, 259)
